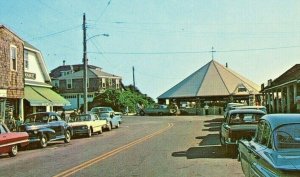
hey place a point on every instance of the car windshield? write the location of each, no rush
(287, 136)
(80, 118)
(40, 118)
(103, 116)
(96, 110)
(245, 118)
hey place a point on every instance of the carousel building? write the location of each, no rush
(212, 84)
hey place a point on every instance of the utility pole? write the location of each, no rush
(133, 77)
(85, 63)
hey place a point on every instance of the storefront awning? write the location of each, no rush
(44, 96)
(34, 98)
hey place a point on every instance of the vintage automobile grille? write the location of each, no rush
(79, 128)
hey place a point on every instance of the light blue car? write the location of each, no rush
(112, 121)
(108, 114)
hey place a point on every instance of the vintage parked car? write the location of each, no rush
(158, 110)
(275, 149)
(231, 106)
(112, 121)
(86, 124)
(106, 110)
(44, 127)
(120, 114)
(11, 141)
(239, 124)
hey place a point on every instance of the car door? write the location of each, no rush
(56, 125)
(4, 139)
(95, 123)
(258, 148)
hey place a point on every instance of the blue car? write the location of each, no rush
(112, 121)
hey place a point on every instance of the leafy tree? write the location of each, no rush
(119, 100)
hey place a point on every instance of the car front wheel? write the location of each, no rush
(67, 136)
(118, 125)
(89, 133)
(100, 131)
(109, 127)
(14, 151)
(43, 141)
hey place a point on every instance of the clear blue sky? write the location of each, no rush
(165, 40)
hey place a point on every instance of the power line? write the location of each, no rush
(195, 52)
(108, 3)
(55, 33)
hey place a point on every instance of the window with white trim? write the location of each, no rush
(13, 58)
(26, 61)
(69, 83)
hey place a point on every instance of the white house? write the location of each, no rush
(38, 94)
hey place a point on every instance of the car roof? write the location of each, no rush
(276, 120)
(244, 107)
(50, 113)
(244, 111)
(235, 104)
(98, 107)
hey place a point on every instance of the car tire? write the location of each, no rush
(43, 141)
(89, 133)
(109, 127)
(67, 136)
(118, 125)
(100, 131)
(14, 151)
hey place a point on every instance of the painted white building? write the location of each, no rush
(38, 94)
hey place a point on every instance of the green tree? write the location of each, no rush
(119, 100)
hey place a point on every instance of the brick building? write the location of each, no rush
(12, 73)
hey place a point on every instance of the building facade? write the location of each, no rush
(39, 96)
(11, 74)
(282, 95)
(68, 81)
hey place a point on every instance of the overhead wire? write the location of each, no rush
(108, 3)
(197, 52)
(55, 33)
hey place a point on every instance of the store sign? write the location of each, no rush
(3, 93)
(30, 75)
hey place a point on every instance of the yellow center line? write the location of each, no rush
(110, 153)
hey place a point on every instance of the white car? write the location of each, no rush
(86, 124)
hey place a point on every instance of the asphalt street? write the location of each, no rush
(153, 146)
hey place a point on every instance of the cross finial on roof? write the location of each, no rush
(212, 52)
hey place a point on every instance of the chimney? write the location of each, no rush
(226, 65)
(64, 62)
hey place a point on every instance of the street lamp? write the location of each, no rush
(85, 63)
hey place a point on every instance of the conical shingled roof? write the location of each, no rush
(213, 79)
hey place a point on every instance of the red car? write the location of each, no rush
(11, 141)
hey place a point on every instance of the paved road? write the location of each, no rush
(143, 146)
